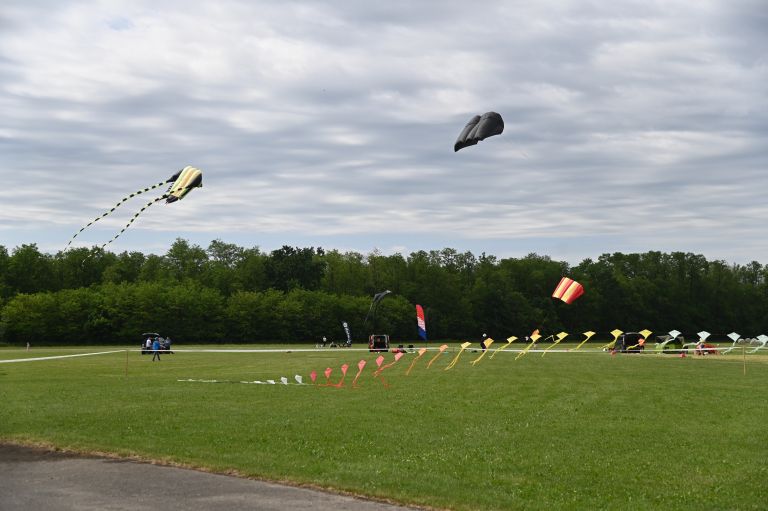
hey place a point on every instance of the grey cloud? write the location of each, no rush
(622, 118)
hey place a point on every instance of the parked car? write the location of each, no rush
(378, 342)
(630, 342)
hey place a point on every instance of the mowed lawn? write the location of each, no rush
(563, 431)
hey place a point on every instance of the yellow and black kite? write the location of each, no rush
(183, 182)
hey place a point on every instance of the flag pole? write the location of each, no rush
(744, 354)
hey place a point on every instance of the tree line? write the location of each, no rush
(227, 293)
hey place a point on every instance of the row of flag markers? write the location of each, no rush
(421, 354)
(645, 333)
(510, 340)
(587, 336)
(360, 367)
(440, 351)
(615, 333)
(463, 347)
(485, 345)
(534, 338)
(559, 337)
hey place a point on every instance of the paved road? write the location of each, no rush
(36, 479)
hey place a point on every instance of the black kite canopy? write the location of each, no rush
(479, 128)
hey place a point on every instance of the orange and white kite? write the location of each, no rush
(568, 290)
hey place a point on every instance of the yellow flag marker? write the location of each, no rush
(421, 353)
(559, 337)
(510, 340)
(645, 333)
(487, 343)
(587, 336)
(440, 352)
(616, 333)
(456, 358)
(534, 337)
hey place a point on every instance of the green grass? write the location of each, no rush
(565, 431)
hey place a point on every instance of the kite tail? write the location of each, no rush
(120, 203)
(148, 204)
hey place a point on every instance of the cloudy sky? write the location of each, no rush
(630, 125)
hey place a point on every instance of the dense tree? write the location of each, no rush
(29, 271)
(5, 290)
(126, 268)
(289, 268)
(229, 293)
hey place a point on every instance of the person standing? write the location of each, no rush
(156, 349)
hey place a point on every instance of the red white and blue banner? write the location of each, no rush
(420, 320)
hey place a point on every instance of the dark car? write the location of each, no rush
(378, 342)
(630, 342)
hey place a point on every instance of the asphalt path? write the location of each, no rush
(33, 479)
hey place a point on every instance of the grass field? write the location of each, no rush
(564, 431)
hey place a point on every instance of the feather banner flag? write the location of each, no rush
(568, 290)
(559, 337)
(439, 352)
(487, 343)
(420, 322)
(463, 347)
(533, 337)
(587, 336)
(360, 367)
(510, 340)
(421, 354)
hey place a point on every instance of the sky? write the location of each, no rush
(629, 125)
